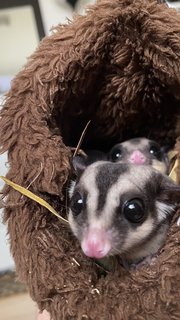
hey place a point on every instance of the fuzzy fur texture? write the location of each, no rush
(119, 65)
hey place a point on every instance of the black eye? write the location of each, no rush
(116, 155)
(134, 210)
(76, 203)
(155, 150)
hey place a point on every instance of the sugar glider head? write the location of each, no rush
(140, 151)
(120, 209)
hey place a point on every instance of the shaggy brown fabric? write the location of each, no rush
(119, 65)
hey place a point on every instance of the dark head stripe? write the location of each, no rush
(107, 175)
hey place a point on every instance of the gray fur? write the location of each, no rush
(105, 189)
(159, 161)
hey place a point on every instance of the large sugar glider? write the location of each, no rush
(120, 209)
(140, 151)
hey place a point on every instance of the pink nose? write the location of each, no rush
(137, 157)
(96, 244)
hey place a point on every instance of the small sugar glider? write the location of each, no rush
(120, 209)
(140, 151)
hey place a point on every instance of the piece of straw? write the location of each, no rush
(34, 197)
(81, 139)
(173, 173)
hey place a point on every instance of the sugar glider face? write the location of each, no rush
(140, 151)
(121, 209)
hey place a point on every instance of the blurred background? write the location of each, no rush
(23, 23)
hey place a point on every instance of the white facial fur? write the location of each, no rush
(127, 148)
(132, 242)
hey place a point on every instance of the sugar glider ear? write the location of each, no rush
(79, 164)
(169, 191)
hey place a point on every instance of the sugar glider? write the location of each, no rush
(140, 151)
(120, 209)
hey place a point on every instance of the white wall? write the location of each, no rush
(175, 4)
(54, 12)
(12, 36)
(57, 11)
